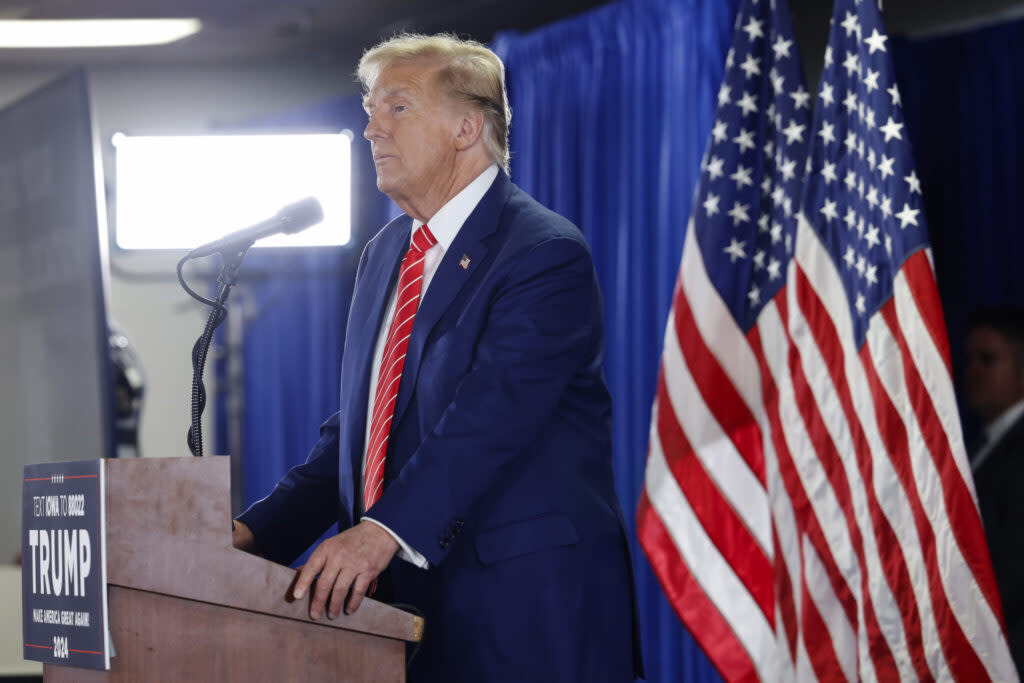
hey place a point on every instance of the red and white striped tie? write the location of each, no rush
(410, 282)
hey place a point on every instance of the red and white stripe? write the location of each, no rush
(808, 505)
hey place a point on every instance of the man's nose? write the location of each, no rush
(373, 128)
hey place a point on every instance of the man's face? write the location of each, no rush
(995, 374)
(412, 130)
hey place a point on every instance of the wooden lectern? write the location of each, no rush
(184, 605)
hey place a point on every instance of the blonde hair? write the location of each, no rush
(472, 73)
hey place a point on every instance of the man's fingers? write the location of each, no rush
(307, 573)
(340, 590)
(362, 583)
(324, 585)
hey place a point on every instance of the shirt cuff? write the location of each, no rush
(405, 551)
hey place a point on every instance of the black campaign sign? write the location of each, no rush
(63, 587)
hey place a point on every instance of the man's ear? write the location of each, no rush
(470, 128)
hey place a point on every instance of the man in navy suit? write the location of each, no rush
(469, 467)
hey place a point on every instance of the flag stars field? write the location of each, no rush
(796, 497)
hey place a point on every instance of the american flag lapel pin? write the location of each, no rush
(464, 262)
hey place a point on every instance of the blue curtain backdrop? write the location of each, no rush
(612, 111)
(963, 98)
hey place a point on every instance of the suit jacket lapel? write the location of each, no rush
(452, 273)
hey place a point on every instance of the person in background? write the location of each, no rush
(994, 383)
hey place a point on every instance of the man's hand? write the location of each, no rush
(242, 537)
(353, 558)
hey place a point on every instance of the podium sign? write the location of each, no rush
(64, 587)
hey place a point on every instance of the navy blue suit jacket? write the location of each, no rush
(499, 461)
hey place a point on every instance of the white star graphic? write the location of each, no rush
(826, 94)
(886, 206)
(826, 133)
(907, 216)
(801, 98)
(788, 169)
(742, 177)
(851, 102)
(762, 222)
(723, 95)
(861, 308)
(778, 81)
(871, 80)
(871, 159)
(828, 172)
(885, 166)
(891, 130)
(794, 132)
(913, 182)
(849, 257)
(869, 118)
(851, 142)
(776, 232)
(715, 168)
(850, 24)
(860, 187)
(872, 237)
(894, 92)
(735, 250)
(759, 259)
(774, 269)
(870, 275)
(829, 210)
(888, 245)
(754, 29)
(720, 131)
(850, 180)
(754, 295)
(872, 197)
(876, 41)
(750, 66)
(739, 213)
(777, 195)
(748, 103)
(745, 140)
(850, 218)
(711, 205)
(852, 64)
(729, 59)
(781, 48)
(862, 263)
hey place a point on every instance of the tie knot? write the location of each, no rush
(423, 239)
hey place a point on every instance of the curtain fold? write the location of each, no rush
(611, 114)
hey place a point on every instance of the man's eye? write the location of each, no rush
(400, 108)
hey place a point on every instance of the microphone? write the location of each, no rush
(293, 218)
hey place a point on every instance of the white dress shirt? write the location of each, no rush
(444, 225)
(996, 430)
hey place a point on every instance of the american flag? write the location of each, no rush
(808, 506)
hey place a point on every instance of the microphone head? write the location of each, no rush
(300, 215)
